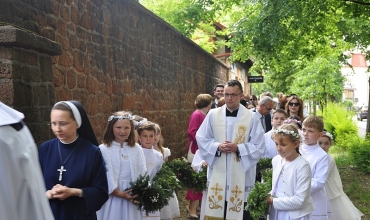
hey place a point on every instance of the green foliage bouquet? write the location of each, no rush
(154, 195)
(188, 178)
(142, 188)
(256, 202)
(264, 163)
(167, 180)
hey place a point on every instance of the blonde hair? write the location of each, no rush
(314, 122)
(160, 142)
(287, 130)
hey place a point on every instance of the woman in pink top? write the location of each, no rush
(203, 103)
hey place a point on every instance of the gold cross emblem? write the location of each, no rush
(216, 189)
(236, 191)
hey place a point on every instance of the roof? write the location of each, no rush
(358, 60)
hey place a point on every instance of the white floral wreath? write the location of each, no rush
(137, 123)
(120, 117)
(329, 135)
(287, 132)
(290, 120)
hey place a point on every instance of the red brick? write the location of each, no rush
(65, 60)
(81, 81)
(63, 94)
(74, 15)
(85, 20)
(49, 33)
(115, 87)
(71, 79)
(64, 13)
(61, 28)
(58, 78)
(63, 41)
(78, 62)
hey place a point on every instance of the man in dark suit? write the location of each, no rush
(218, 92)
(263, 110)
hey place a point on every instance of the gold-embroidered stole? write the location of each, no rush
(216, 193)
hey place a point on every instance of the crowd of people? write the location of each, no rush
(241, 130)
(76, 178)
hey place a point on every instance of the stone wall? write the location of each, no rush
(26, 78)
(115, 55)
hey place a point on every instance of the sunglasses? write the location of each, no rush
(268, 109)
(294, 104)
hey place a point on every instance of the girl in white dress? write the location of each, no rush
(124, 161)
(291, 183)
(340, 205)
(172, 209)
(153, 159)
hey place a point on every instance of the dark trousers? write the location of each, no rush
(246, 215)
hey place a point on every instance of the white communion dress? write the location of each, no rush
(171, 210)
(340, 205)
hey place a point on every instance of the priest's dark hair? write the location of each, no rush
(233, 83)
(108, 136)
(85, 130)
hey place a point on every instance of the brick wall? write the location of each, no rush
(115, 55)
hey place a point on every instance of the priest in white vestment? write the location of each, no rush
(22, 187)
(231, 141)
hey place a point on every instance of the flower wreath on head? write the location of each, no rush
(137, 123)
(287, 132)
(290, 120)
(329, 135)
(120, 117)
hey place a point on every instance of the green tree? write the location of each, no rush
(286, 39)
(195, 18)
(320, 81)
(277, 32)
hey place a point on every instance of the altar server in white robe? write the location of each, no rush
(153, 159)
(312, 129)
(22, 187)
(231, 141)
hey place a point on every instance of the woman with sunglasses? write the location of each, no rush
(294, 106)
(253, 98)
